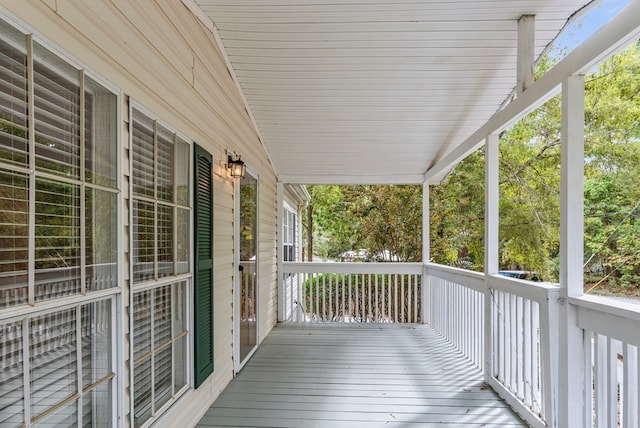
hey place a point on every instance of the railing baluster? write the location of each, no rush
(377, 305)
(369, 314)
(363, 290)
(316, 289)
(351, 315)
(600, 381)
(504, 322)
(386, 299)
(513, 338)
(329, 313)
(589, 375)
(416, 297)
(324, 298)
(519, 347)
(383, 296)
(630, 397)
(612, 378)
(635, 385)
(402, 298)
(528, 369)
(409, 300)
(357, 286)
(343, 306)
(537, 394)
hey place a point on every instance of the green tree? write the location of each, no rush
(457, 215)
(529, 185)
(376, 218)
(612, 168)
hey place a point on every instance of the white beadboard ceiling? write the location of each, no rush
(374, 91)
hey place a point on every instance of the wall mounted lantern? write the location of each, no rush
(236, 167)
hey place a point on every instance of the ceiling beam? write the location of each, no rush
(353, 179)
(526, 52)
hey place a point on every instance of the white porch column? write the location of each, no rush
(280, 250)
(571, 382)
(491, 225)
(425, 295)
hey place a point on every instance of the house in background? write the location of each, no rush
(138, 276)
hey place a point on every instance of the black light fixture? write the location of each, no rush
(236, 167)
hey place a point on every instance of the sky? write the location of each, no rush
(587, 24)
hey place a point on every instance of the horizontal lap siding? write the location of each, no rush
(159, 54)
(268, 295)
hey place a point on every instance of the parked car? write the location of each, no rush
(521, 274)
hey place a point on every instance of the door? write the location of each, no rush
(246, 285)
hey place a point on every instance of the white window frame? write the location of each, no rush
(156, 283)
(33, 309)
(290, 232)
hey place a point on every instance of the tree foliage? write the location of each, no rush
(385, 220)
(530, 183)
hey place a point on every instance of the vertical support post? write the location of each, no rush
(526, 52)
(280, 252)
(571, 378)
(425, 294)
(491, 225)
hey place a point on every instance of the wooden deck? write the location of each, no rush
(367, 375)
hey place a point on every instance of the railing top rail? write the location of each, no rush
(464, 277)
(615, 319)
(351, 267)
(614, 306)
(536, 291)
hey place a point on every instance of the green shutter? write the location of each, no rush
(203, 296)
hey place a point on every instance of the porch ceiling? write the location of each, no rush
(374, 91)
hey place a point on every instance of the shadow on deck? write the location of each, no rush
(363, 375)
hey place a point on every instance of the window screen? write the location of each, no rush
(58, 238)
(161, 249)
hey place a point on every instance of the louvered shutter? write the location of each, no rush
(203, 302)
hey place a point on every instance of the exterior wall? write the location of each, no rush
(161, 56)
(267, 256)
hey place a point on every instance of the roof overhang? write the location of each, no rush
(387, 91)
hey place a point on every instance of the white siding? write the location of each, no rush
(159, 54)
(267, 247)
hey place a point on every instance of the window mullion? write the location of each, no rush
(152, 356)
(175, 204)
(31, 239)
(83, 240)
(174, 310)
(79, 375)
(155, 197)
(26, 372)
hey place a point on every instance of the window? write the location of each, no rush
(69, 366)
(58, 238)
(160, 262)
(289, 234)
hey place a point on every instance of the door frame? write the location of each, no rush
(237, 364)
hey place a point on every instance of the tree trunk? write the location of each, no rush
(310, 233)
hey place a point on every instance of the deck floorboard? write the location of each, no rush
(358, 375)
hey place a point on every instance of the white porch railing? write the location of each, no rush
(456, 309)
(522, 355)
(521, 317)
(611, 342)
(352, 292)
